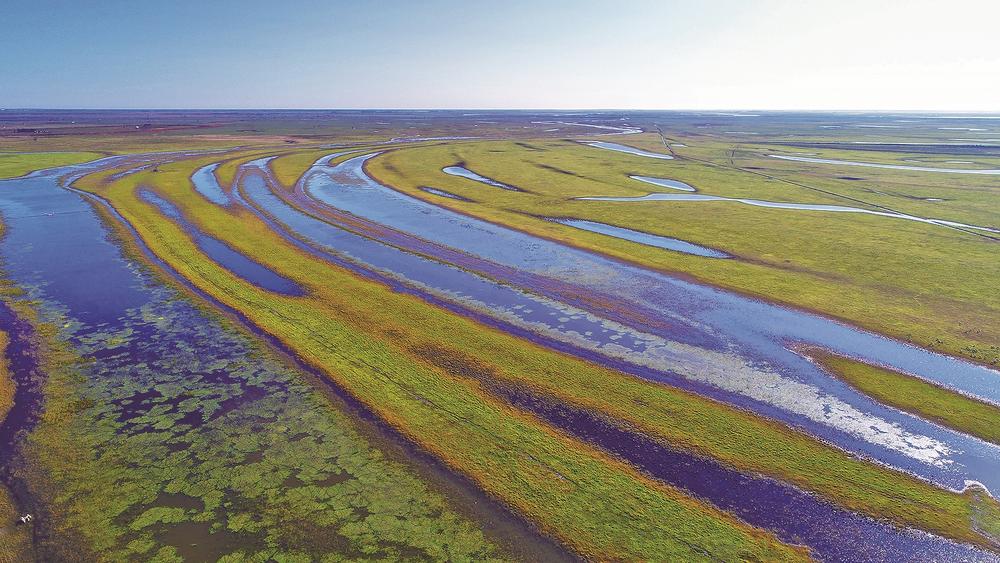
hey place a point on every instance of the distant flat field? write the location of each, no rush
(13, 165)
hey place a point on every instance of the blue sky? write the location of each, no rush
(765, 54)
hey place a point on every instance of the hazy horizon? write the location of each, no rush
(660, 56)
(580, 110)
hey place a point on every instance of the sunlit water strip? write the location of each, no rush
(666, 243)
(207, 184)
(627, 149)
(665, 183)
(785, 205)
(751, 359)
(464, 172)
(991, 172)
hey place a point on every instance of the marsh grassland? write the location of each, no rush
(445, 372)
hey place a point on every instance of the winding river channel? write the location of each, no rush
(714, 342)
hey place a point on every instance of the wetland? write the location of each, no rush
(351, 346)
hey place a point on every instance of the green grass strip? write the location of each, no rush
(912, 394)
(13, 165)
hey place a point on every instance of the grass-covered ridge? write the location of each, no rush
(912, 394)
(13, 165)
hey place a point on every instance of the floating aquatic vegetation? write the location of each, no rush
(212, 448)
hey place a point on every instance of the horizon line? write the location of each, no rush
(426, 109)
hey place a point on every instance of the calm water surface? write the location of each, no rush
(890, 166)
(627, 149)
(463, 172)
(648, 239)
(744, 351)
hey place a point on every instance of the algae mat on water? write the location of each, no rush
(172, 438)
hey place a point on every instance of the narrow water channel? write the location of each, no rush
(627, 149)
(816, 160)
(464, 172)
(666, 243)
(787, 205)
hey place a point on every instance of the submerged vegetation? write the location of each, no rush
(368, 416)
(237, 458)
(6, 381)
(15, 538)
